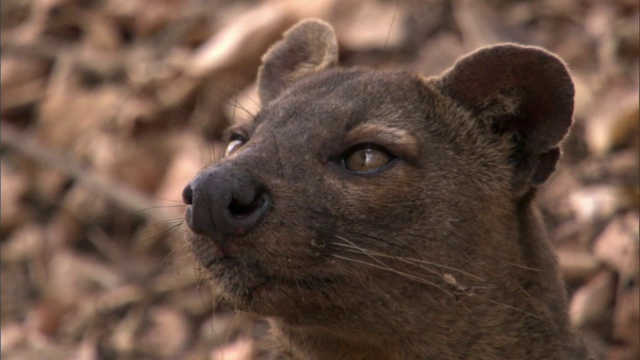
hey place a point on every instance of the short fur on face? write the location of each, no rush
(436, 254)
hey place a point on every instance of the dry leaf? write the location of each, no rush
(592, 301)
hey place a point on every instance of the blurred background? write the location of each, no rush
(109, 107)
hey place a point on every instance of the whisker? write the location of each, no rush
(524, 267)
(515, 309)
(364, 236)
(422, 281)
(239, 93)
(405, 246)
(365, 252)
(395, 11)
(163, 232)
(365, 223)
(412, 277)
(234, 103)
(359, 251)
(158, 207)
(414, 261)
(387, 268)
(169, 200)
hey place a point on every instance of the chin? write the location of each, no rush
(247, 287)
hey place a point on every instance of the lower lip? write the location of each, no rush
(221, 248)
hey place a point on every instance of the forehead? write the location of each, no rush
(342, 99)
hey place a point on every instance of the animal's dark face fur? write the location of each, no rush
(360, 201)
(324, 213)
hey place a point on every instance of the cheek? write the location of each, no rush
(392, 198)
(301, 220)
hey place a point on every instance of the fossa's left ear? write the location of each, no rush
(307, 47)
(522, 91)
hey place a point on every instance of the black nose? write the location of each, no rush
(225, 202)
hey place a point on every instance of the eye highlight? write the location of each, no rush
(368, 158)
(234, 144)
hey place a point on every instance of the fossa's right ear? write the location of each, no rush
(307, 47)
(522, 91)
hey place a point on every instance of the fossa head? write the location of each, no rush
(355, 193)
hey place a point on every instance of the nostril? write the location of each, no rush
(187, 195)
(225, 202)
(238, 209)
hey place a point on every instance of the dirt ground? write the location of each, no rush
(109, 107)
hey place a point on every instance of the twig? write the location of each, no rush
(119, 193)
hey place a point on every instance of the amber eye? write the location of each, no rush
(366, 159)
(233, 145)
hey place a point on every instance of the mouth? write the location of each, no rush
(247, 275)
(245, 285)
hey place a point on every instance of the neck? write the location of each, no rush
(519, 311)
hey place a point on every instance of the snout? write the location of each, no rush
(225, 202)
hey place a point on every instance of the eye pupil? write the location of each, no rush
(366, 159)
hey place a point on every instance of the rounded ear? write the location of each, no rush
(523, 91)
(307, 47)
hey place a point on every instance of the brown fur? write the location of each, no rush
(440, 254)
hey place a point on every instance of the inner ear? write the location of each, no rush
(307, 47)
(529, 169)
(522, 91)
